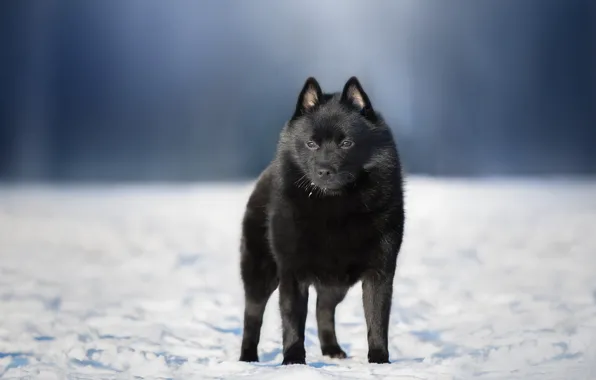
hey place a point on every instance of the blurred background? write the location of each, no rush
(199, 90)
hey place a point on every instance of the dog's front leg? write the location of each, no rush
(293, 304)
(377, 290)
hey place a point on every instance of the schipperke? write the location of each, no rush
(328, 211)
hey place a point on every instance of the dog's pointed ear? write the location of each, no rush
(354, 95)
(310, 96)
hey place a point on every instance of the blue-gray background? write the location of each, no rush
(198, 90)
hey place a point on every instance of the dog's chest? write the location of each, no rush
(333, 236)
(328, 249)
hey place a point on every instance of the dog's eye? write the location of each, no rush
(311, 145)
(346, 144)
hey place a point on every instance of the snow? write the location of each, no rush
(496, 280)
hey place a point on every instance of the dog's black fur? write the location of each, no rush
(327, 213)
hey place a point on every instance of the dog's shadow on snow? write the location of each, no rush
(267, 358)
(321, 364)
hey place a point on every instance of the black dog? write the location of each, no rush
(328, 212)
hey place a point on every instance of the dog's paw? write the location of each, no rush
(288, 360)
(249, 356)
(294, 354)
(378, 356)
(334, 352)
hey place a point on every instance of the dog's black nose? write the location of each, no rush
(325, 173)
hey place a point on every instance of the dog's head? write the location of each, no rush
(334, 138)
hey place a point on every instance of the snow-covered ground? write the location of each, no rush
(496, 280)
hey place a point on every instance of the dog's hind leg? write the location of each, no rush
(327, 300)
(259, 276)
